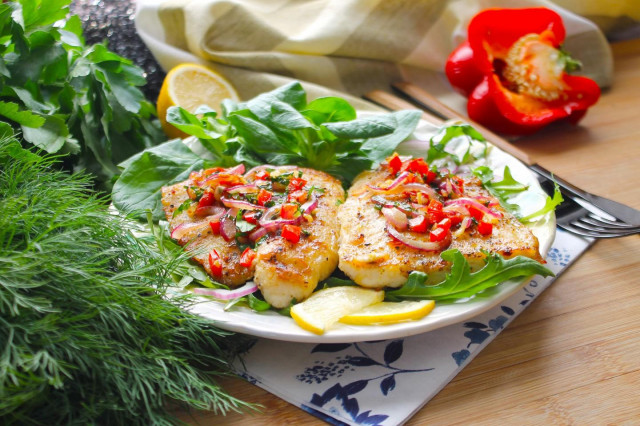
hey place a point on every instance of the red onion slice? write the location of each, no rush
(393, 185)
(396, 218)
(464, 201)
(240, 204)
(228, 227)
(223, 294)
(258, 233)
(419, 244)
(418, 187)
(179, 231)
(236, 170)
(209, 211)
(310, 205)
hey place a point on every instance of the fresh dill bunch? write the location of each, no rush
(87, 335)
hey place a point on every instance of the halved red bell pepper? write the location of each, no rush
(515, 74)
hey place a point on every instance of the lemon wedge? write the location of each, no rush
(326, 307)
(390, 312)
(189, 86)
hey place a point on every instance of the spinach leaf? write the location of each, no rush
(139, 186)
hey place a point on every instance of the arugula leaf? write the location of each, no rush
(461, 283)
(550, 205)
(508, 186)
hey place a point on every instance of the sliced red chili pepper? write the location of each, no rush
(291, 233)
(263, 196)
(296, 184)
(485, 228)
(215, 263)
(288, 211)
(418, 224)
(395, 163)
(247, 257)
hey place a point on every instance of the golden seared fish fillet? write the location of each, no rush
(399, 218)
(277, 225)
(287, 270)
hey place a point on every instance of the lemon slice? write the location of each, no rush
(189, 86)
(326, 307)
(390, 312)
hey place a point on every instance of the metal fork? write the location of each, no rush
(581, 213)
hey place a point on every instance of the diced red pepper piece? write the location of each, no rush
(251, 217)
(288, 211)
(215, 226)
(454, 217)
(395, 163)
(418, 165)
(263, 175)
(435, 211)
(215, 263)
(418, 224)
(438, 234)
(300, 196)
(296, 184)
(247, 257)
(264, 196)
(444, 224)
(291, 233)
(207, 199)
(485, 228)
(476, 213)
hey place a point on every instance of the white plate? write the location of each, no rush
(272, 325)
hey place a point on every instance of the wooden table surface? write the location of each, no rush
(573, 356)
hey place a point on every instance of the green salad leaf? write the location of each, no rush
(277, 127)
(461, 282)
(69, 98)
(505, 189)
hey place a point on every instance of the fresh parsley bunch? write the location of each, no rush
(69, 98)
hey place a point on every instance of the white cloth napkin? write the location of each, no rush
(386, 382)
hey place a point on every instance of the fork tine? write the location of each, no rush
(586, 233)
(617, 223)
(581, 223)
(589, 223)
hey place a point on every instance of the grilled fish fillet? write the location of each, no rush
(286, 271)
(372, 258)
(282, 270)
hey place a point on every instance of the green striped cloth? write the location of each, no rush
(350, 46)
